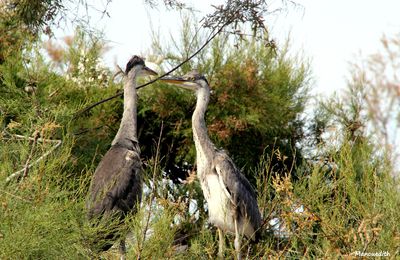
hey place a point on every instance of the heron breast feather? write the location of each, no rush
(219, 208)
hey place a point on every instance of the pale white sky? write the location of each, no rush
(335, 33)
(330, 33)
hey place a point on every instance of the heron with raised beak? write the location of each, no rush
(116, 186)
(232, 202)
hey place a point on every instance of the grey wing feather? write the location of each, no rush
(117, 184)
(241, 192)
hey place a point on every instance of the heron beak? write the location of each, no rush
(180, 82)
(147, 71)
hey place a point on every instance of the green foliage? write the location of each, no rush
(343, 202)
(159, 238)
(258, 97)
(33, 15)
(43, 214)
(40, 217)
(34, 233)
(21, 21)
(353, 206)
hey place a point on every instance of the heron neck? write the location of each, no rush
(127, 133)
(204, 147)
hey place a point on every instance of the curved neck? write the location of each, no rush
(127, 133)
(205, 149)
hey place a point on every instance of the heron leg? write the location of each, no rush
(122, 249)
(237, 241)
(221, 244)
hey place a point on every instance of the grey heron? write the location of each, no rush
(232, 202)
(116, 186)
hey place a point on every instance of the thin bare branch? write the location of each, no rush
(212, 36)
(233, 12)
(26, 168)
(29, 165)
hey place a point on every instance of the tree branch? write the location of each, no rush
(212, 36)
(27, 166)
(234, 12)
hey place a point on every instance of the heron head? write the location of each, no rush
(192, 81)
(137, 66)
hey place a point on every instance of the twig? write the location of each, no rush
(25, 169)
(119, 71)
(212, 36)
(156, 162)
(42, 140)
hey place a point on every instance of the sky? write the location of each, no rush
(331, 34)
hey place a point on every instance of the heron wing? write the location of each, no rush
(116, 185)
(241, 193)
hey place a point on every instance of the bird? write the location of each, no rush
(232, 201)
(116, 186)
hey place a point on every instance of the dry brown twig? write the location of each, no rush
(26, 168)
(28, 165)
